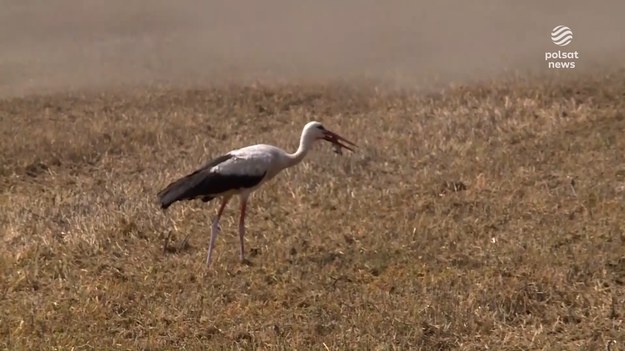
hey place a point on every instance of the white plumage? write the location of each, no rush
(241, 172)
(252, 160)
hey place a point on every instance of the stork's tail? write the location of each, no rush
(179, 190)
(171, 193)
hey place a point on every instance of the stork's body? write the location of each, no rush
(240, 172)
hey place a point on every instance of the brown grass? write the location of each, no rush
(486, 216)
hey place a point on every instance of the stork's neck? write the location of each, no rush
(305, 143)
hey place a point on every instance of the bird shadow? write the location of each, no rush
(171, 248)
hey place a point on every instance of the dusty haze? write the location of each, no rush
(65, 44)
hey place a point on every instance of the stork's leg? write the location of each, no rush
(242, 229)
(215, 229)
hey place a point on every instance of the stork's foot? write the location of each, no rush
(184, 244)
(246, 262)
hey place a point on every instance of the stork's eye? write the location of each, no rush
(320, 128)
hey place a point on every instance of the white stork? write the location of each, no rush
(241, 172)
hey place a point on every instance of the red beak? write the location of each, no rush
(337, 139)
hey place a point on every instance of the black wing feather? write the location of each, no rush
(204, 184)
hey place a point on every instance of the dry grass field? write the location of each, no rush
(489, 215)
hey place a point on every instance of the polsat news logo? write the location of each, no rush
(561, 36)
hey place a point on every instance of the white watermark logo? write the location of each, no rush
(562, 36)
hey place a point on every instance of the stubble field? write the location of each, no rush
(485, 216)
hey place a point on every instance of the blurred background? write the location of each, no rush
(72, 44)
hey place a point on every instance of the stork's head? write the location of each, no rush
(316, 131)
